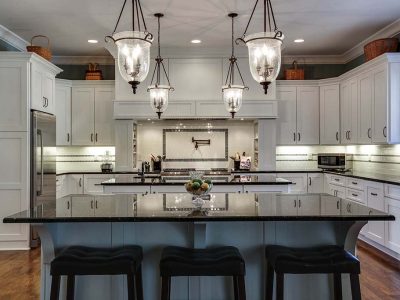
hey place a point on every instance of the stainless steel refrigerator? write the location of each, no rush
(43, 162)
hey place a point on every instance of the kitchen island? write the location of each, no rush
(248, 221)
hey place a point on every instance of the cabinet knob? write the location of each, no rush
(384, 131)
(369, 133)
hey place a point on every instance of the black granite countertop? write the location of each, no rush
(179, 207)
(237, 179)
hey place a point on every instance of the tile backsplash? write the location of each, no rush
(77, 159)
(382, 159)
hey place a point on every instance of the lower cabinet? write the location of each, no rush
(337, 191)
(315, 183)
(92, 183)
(299, 181)
(375, 199)
(392, 228)
(294, 205)
(329, 207)
(75, 184)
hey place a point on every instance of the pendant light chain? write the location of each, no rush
(136, 10)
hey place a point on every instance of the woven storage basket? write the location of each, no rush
(39, 50)
(378, 47)
(295, 73)
(93, 73)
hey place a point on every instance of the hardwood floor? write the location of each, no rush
(20, 275)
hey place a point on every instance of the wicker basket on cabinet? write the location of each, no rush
(378, 47)
(39, 50)
(294, 73)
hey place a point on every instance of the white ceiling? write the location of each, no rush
(329, 27)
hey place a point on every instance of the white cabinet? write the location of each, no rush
(75, 184)
(309, 205)
(298, 115)
(42, 89)
(92, 183)
(315, 183)
(286, 205)
(329, 206)
(294, 205)
(392, 236)
(349, 111)
(63, 112)
(63, 207)
(196, 79)
(356, 195)
(375, 230)
(92, 115)
(380, 105)
(82, 206)
(299, 181)
(365, 108)
(329, 114)
(82, 116)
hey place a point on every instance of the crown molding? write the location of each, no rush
(389, 31)
(12, 39)
(82, 60)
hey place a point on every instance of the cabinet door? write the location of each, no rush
(82, 206)
(48, 82)
(82, 116)
(299, 181)
(353, 113)
(329, 115)
(63, 114)
(315, 183)
(63, 207)
(392, 236)
(379, 134)
(365, 108)
(75, 184)
(37, 101)
(330, 206)
(196, 79)
(91, 183)
(375, 230)
(61, 186)
(345, 112)
(104, 206)
(103, 116)
(309, 205)
(286, 205)
(286, 133)
(307, 115)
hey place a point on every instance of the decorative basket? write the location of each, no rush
(39, 50)
(295, 73)
(378, 47)
(93, 73)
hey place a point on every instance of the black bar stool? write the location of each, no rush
(78, 260)
(318, 260)
(221, 261)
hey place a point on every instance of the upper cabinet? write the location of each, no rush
(298, 114)
(63, 112)
(349, 111)
(196, 79)
(26, 82)
(92, 117)
(329, 114)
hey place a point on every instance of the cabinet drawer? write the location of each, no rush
(337, 180)
(355, 195)
(355, 183)
(392, 191)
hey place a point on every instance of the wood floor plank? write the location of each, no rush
(20, 275)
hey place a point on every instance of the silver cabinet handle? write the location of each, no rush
(347, 135)
(96, 204)
(40, 192)
(80, 182)
(337, 204)
(299, 136)
(309, 181)
(337, 135)
(336, 179)
(384, 131)
(374, 194)
(96, 138)
(354, 195)
(299, 203)
(355, 183)
(294, 136)
(295, 203)
(91, 137)
(369, 133)
(68, 205)
(91, 204)
(68, 136)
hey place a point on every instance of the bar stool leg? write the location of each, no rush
(279, 286)
(55, 287)
(241, 287)
(337, 286)
(70, 287)
(269, 282)
(165, 288)
(139, 284)
(235, 287)
(131, 286)
(355, 287)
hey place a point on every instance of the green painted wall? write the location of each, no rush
(316, 71)
(77, 72)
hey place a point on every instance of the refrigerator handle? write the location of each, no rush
(39, 133)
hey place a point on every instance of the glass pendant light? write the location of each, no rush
(159, 93)
(264, 48)
(233, 93)
(133, 47)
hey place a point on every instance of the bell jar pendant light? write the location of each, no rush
(233, 93)
(264, 48)
(159, 93)
(133, 47)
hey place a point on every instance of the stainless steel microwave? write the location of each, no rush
(332, 161)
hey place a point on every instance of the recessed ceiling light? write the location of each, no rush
(93, 41)
(299, 40)
(195, 41)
